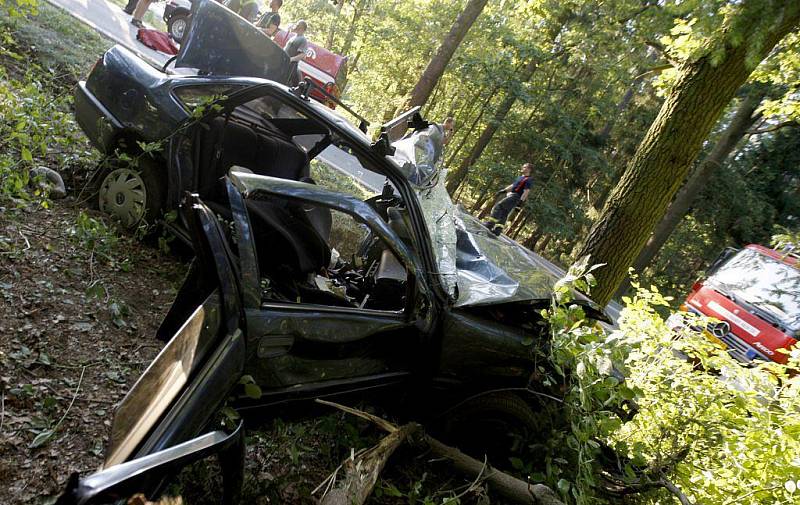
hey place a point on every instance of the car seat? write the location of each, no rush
(288, 244)
(227, 143)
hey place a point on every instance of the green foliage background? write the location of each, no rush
(571, 119)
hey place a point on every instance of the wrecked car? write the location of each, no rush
(327, 265)
(317, 289)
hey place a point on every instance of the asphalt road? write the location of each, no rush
(109, 19)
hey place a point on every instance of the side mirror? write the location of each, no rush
(144, 474)
(722, 258)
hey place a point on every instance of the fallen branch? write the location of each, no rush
(507, 486)
(362, 472)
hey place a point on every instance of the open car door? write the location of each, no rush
(165, 421)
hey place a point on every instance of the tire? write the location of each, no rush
(178, 26)
(133, 195)
(497, 425)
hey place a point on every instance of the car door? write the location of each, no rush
(319, 341)
(157, 428)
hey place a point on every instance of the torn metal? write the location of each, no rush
(475, 267)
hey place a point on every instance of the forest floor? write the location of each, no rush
(80, 304)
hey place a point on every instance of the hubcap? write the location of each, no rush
(178, 29)
(124, 196)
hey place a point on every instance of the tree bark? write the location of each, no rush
(358, 10)
(455, 179)
(509, 487)
(362, 471)
(503, 484)
(465, 137)
(433, 72)
(742, 120)
(664, 157)
(332, 32)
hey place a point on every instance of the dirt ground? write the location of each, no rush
(76, 330)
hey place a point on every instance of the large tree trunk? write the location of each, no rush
(740, 123)
(664, 157)
(433, 72)
(455, 179)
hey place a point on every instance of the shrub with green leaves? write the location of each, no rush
(703, 424)
(36, 128)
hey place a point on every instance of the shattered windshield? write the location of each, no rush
(475, 267)
(770, 285)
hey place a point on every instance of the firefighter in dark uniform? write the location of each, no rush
(516, 193)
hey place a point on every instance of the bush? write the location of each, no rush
(35, 128)
(720, 432)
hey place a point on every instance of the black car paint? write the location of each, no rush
(450, 353)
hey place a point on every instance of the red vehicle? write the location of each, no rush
(326, 69)
(754, 293)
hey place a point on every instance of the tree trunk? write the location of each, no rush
(457, 176)
(740, 123)
(532, 239)
(433, 72)
(332, 32)
(664, 157)
(465, 137)
(358, 11)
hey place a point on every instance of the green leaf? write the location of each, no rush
(42, 438)
(26, 154)
(563, 485)
(252, 391)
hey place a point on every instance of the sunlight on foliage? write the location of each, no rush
(721, 432)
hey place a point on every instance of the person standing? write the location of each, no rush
(139, 12)
(516, 193)
(248, 9)
(296, 50)
(271, 21)
(130, 7)
(448, 126)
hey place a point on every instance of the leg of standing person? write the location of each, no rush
(139, 12)
(130, 7)
(500, 212)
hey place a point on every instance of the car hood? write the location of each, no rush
(221, 42)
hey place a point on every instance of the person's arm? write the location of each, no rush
(525, 194)
(506, 189)
(298, 56)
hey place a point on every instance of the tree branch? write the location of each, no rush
(654, 71)
(759, 131)
(675, 490)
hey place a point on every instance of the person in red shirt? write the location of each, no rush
(516, 193)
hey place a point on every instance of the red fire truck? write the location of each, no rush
(753, 296)
(328, 70)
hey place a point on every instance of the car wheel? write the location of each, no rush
(133, 194)
(178, 26)
(497, 425)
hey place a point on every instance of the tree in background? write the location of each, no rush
(706, 82)
(436, 66)
(744, 117)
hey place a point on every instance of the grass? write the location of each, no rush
(56, 41)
